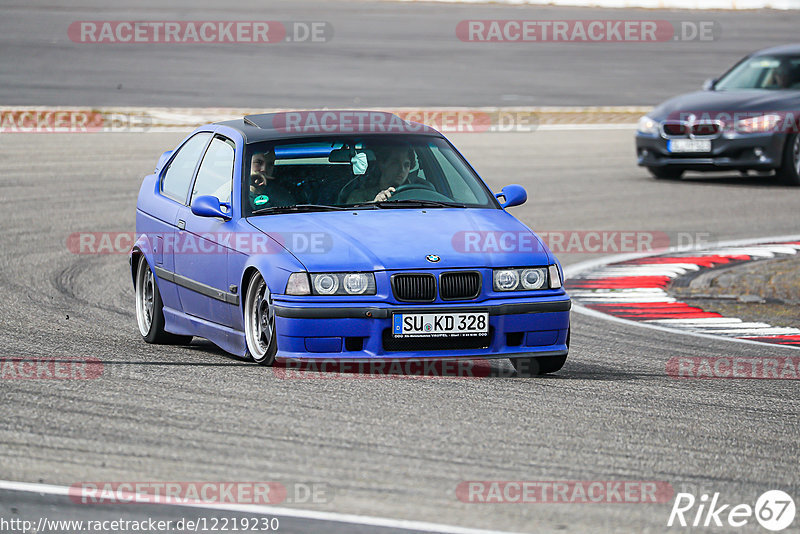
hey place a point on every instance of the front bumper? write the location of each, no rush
(728, 152)
(517, 328)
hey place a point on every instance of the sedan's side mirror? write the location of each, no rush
(208, 206)
(709, 84)
(513, 194)
(163, 160)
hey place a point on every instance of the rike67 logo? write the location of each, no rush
(774, 510)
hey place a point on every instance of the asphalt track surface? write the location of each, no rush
(393, 448)
(381, 54)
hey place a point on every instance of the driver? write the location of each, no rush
(784, 77)
(394, 162)
(265, 191)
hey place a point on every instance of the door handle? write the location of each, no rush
(181, 224)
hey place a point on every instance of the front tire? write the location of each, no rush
(527, 367)
(789, 172)
(150, 309)
(259, 322)
(665, 173)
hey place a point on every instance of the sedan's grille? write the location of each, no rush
(414, 287)
(705, 129)
(685, 129)
(460, 285)
(674, 128)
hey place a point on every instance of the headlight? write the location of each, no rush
(762, 123)
(331, 284)
(647, 126)
(356, 283)
(533, 278)
(528, 279)
(506, 280)
(326, 284)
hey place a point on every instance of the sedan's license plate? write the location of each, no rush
(689, 145)
(440, 324)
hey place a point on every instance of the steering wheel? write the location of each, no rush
(418, 191)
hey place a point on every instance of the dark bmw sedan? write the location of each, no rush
(747, 120)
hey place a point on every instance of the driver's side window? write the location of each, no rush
(178, 176)
(215, 176)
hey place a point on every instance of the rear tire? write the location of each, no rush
(789, 171)
(665, 173)
(150, 309)
(527, 367)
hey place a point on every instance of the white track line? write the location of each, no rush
(421, 526)
(577, 269)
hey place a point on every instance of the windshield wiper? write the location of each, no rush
(416, 204)
(296, 208)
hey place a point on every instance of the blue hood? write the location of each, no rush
(753, 100)
(392, 239)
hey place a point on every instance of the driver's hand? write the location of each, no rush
(384, 195)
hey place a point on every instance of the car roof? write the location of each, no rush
(323, 123)
(779, 50)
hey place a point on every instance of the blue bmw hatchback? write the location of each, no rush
(341, 235)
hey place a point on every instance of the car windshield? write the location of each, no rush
(763, 72)
(369, 172)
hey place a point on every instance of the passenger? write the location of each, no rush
(265, 191)
(393, 164)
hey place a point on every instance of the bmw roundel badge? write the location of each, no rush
(433, 258)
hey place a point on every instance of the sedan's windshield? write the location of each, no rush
(369, 172)
(763, 72)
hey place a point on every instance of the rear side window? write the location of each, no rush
(215, 176)
(178, 177)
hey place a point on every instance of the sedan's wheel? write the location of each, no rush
(540, 366)
(149, 309)
(259, 322)
(789, 173)
(665, 173)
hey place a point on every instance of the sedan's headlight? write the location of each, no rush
(762, 123)
(331, 284)
(647, 126)
(528, 279)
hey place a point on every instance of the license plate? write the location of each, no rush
(440, 324)
(689, 145)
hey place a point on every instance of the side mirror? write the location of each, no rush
(208, 206)
(163, 160)
(709, 84)
(513, 194)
